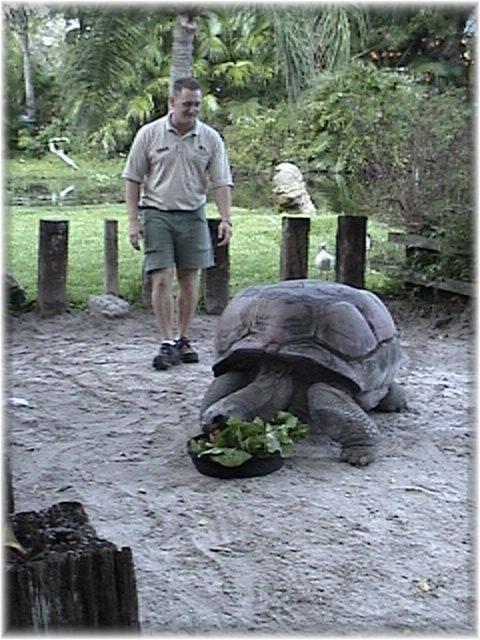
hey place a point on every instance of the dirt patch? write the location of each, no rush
(318, 546)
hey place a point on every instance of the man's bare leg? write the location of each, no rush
(162, 301)
(164, 308)
(187, 298)
(187, 304)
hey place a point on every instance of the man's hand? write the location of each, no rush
(135, 232)
(224, 233)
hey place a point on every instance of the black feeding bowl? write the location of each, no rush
(253, 467)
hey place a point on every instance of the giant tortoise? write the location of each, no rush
(326, 352)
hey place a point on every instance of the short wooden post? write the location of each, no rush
(146, 289)
(215, 280)
(110, 283)
(294, 251)
(52, 267)
(351, 250)
(9, 500)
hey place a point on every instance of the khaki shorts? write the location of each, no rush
(180, 238)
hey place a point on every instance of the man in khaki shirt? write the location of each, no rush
(172, 164)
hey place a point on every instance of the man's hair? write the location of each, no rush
(185, 83)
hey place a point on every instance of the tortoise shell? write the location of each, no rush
(332, 326)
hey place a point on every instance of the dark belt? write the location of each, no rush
(145, 208)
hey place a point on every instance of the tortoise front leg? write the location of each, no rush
(343, 420)
(223, 386)
(269, 393)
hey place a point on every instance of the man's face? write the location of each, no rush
(185, 107)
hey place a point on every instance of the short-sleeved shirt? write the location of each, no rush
(176, 171)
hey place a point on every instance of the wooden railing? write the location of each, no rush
(415, 243)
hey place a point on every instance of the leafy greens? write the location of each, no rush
(240, 440)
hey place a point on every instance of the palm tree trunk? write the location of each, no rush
(24, 42)
(182, 47)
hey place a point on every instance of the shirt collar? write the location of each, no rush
(190, 132)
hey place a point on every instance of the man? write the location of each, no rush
(174, 160)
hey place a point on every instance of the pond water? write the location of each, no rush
(63, 191)
(327, 192)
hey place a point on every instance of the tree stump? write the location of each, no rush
(70, 578)
(215, 280)
(351, 250)
(52, 267)
(294, 251)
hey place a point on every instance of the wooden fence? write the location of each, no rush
(416, 244)
(350, 258)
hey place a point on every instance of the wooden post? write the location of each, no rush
(215, 280)
(71, 580)
(9, 500)
(110, 283)
(294, 251)
(146, 289)
(52, 267)
(350, 250)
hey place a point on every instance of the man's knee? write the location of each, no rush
(188, 279)
(161, 279)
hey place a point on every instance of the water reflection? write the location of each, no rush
(329, 192)
(63, 191)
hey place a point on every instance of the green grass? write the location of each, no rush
(254, 250)
(50, 166)
(85, 249)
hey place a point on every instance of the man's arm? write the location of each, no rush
(132, 197)
(223, 200)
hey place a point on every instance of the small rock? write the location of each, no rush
(18, 402)
(15, 293)
(109, 305)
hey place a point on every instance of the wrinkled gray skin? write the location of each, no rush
(326, 352)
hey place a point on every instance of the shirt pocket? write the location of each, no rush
(160, 154)
(200, 158)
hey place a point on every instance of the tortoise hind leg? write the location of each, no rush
(395, 400)
(344, 421)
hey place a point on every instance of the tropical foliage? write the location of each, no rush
(370, 95)
(104, 72)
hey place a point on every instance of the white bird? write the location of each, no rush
(54, 148)
(368, 242)
(64, 193)
(324, 261)
(59, 197)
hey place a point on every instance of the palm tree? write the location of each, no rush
(18, 19)
(314, 40)
(120, 65)
(182, 46)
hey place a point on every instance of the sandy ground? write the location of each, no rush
(318, 546)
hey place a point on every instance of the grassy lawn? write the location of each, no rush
(49, 166)
(254, 251)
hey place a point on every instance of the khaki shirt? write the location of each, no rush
(176, 171)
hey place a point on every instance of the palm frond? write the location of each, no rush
(293, 31)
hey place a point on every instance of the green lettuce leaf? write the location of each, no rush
(239, 440)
